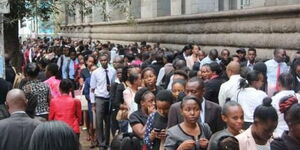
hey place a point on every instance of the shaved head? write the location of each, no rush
(16, 100)
(233, 68)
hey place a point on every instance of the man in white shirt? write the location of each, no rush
(275, 67)
(229, 88)
(101, 79)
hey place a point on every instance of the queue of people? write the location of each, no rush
(149, 98)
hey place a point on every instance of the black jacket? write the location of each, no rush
(212, 88)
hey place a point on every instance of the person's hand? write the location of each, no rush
(94, 107)
(203, 142)
(153, 135)
(162, 134)
(123, 107)
(186, 145)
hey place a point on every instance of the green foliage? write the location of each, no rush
(44, 9)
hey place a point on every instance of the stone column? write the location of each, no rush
(88, 17)
(135, 8)
(200, 6)
(78, 16)
(97, 15)
(155, 8)
(176, 6)
(116, 13)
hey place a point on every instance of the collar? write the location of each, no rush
(233, 77)
(214, 76)
(248, 63)
(18, 112)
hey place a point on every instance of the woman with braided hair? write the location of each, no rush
(290, 140)
(285, 88)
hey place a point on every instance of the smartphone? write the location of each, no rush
(157, 130)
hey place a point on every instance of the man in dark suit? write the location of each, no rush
(16, 130)
(210, 112)
(251, 59)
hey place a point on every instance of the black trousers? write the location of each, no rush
(102, 122)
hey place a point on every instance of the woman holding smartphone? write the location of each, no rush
(156, 125)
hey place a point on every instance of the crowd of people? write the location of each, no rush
(145, 97)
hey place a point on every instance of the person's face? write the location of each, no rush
(73, 55)
(241, 55)
(117, 62)
(104, 61)
(188, 52)
(138, 81)
(297, 70)
(95, 54)
(225, 55)
(194, 89)
(280, 57)
(195, 50)
(258, 84)
(119, 73)
(190, 111)
(234, 118)
(264, 130)
(176, 89)
(90, 62)
(251, 55)
(206, 73)
(148, 101)
(66, 51)
(81, 60)
(201, 55)
(149, 78)
(163, 107)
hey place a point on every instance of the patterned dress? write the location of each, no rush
(37, 94)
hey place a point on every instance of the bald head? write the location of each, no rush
(233, 68)
(16, 100)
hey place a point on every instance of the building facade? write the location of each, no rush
(263, 24)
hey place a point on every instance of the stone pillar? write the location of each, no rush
(155, 8)
(200, 6)
(176, 7)
(78, 15)
(88, 17)
(116, 13)
(97, 15)
(135, 8)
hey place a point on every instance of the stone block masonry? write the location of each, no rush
(264, 28)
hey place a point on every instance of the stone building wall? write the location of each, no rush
(264, 28)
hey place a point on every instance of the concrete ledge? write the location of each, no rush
(263, 11)
(263, 28)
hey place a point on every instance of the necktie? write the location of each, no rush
(277, 75)
(107, 80)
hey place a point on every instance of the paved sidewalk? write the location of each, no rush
(85, 145)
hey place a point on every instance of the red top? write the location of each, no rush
(67, 109)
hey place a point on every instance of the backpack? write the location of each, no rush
(18, 78)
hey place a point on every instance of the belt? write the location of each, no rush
(101, 97)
